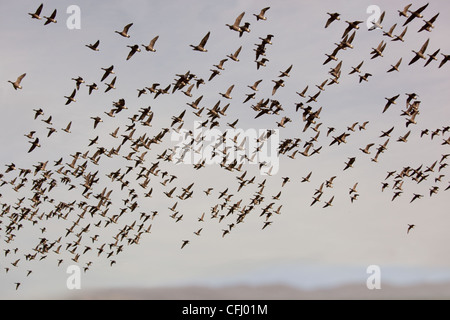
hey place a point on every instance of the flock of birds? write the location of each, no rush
(93, 209)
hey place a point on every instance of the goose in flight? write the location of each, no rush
(405, 137)
(353, 190)
(227, 95)
(400, 37)
(286, 72)
(350, 163)
(420, 54)
(446, 58)
(30, 134)
(396, 66)
(34, 144)
(151, 45)
(78, 81)
(314, 97)
(279, 83)
(201, 46)
(254, 87)
(389, 102)
(332, 56)
(429, 24)
(111, 85)
(415, 14)
(306, 179)
(220, 65)
(235, 26)
(51, 19)
(404, 12)
(261, 63)
(244, 28)
(94, 46)
(378, 51)
(108, 71)
(71, 98)
(357, 68)
(329, 202)
(432, 57)
(67, 129)
(235, 55)
(261, 14)
(185, 242)
(333, 16)
(213, 74)
(386, 133)
(364, 77)
(92, 87)
(322, 85)
(303, 93)
(390, 33)
(377, 24)
(134, 49)
(36, 15)
(124, 32)
(16, 84)
(416, 196)
(366, 149)
(351, 25)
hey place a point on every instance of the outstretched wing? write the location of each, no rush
(153, 41)
(19, 79)
(38, 11)
(424, 47)
(204, 40)
(238, 19)
(127, 27)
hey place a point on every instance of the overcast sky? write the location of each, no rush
(306, 245)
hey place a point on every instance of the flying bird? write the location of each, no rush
(71, 98)
(35, 144)
(201, 46)
(261, 14)
(420, 54)
(429, 24)
(36, 14)
(108, 71)
(51, 19)
(351, 25)
(94, 46)
(415, 14)
(432, 57)
(333, 16)
(444, 60)
(237, 22)
(235, 55)
(396, 66)
(151, 45)
(134, 49)
(390, 101)
(286, 72)
(111, 85)
(377, 24)
(16, 84)
(124, 32)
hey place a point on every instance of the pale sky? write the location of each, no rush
(305, 246)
